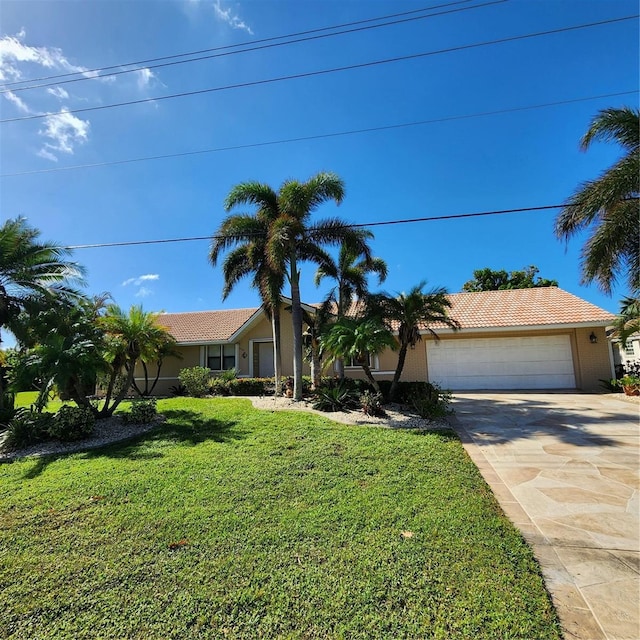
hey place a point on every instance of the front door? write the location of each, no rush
(266, 367)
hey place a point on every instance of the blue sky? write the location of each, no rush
(519, 159)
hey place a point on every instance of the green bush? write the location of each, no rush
(28, 427)
(8, 410)
(249, 386)
(430, 401)
(72, 423)
(405, 391)
(142, 412)
(197, 381)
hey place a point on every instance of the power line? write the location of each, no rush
(357, 226)
(319, 136)
(85, 75)
(326, 71)
(231, 46)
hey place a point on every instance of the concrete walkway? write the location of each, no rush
(565, 469)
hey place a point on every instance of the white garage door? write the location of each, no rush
(502, 363)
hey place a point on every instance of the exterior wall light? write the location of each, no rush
(593, 338)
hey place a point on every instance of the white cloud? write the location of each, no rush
(13, 51)
(12, 97)
(234, 21)
(58, 92)
(143, 292)
(65, 131)
(144, 77)
(138, 280)
(47, 155)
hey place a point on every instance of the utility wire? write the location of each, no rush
(327, 71)
(351, 226)
(249, 49)
(230, 46)
(320, 136)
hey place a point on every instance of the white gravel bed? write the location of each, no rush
(106, 431)
(397, 416)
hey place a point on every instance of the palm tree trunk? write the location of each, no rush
(370, 378)
(155, 382)
(402, 355)
(277, 348)
(108, 411)
(296, 320)
(316, 367)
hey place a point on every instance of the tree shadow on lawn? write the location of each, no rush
(182, 427)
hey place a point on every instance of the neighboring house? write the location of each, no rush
(541, 338)
(630, 353)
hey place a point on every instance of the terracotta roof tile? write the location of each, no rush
(523, 307)
(205, 326)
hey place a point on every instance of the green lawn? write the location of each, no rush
(228, 522)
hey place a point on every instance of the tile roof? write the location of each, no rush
(544, 306)
(524, 307)
(205, 326)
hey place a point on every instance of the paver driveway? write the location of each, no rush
(565, 469)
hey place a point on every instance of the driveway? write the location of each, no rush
(565, 469)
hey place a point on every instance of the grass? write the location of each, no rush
(228, 522)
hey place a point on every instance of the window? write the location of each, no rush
(357, 362)
(221, 357)
(628, 349)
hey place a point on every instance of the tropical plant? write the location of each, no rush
(371, 404)
(32, 274)
(628, 321)
(350, 271)
(411, 314)
(357, 340)
(335, 397)
(291, 238)
(607, 207)
(430, 401)
(164, 346)
(489, 280)
(129, 337)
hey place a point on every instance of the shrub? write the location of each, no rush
(28, 427)
(72, 423)
(371, 404)
(248, 386)
(142, 412)
(197, 381)
(337, 397)
(8, 410)
(430, 401)
(178, 390)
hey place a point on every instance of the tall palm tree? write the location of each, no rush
(350, 272)
(246, 236)
(291, 238)
(410, 314)
(607, 207)
(356, 339)
(32, 273)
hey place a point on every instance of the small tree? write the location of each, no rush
(411, 313)
(489, 280)
(357, 340)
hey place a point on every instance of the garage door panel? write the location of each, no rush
(532, 362)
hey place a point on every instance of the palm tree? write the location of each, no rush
(291, 238)
(32, 273)
(608, 206)
(628, 322)
(247, 235)
(350, 272)
(410, 314)
(357, 340)
(130, 336)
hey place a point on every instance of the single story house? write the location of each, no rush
(541, 338)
